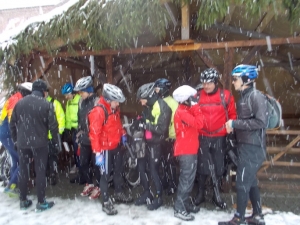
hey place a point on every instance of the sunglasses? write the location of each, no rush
(235, 79)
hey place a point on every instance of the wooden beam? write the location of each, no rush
(185, 21)
(183, 47)
(226, 21)
(43, 70)
(278, 175)
(207, 61)
(228, 66)
(280, 163)
(266, 20)
(248, 58)
(286, 149)
(108, 63)
(275, 150)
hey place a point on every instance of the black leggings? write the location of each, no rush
(87, 165)
(40, 157)
(113, 161)
(154, 153)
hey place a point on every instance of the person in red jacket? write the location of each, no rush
(106, 133)
(217, 106)
(188, 119)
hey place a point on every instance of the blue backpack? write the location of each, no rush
(274, 111)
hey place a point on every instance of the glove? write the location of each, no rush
(192, 100)
(57, 149)
(100, 159)
(142, 125)
(124, 139)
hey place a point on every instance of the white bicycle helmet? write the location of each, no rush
(182, 93)
(145, 91)
(113, 93)
(26, 86)
(83, 83)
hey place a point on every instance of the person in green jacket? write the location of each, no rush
(60, 117)
(72, 120)
(162, 88)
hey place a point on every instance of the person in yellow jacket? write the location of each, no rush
(71, 121)
(53, 158)
(162, 88)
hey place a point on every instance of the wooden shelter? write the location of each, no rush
(131, 42)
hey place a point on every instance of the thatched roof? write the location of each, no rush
(118, 24)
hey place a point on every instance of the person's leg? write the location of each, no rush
(75, 148)
(154, 161)
(188, 167)
(171, 166)
(40, 156)
(85, 160)
(202, 168)
(105, 175)
(52, 163)
(9, 145)
(25, 155)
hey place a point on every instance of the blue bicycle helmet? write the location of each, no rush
(67, 88)
(248, 71)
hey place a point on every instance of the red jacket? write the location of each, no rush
(104, 135)
(187, 122)
(214, 112)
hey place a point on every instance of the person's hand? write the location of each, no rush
(124, 139)
(192, 100)
(229, 127)
(100, 159)
(142, 125)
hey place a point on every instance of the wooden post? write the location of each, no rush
(108, 63)
(185, 21)
(228, 66)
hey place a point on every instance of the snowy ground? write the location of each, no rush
(84, 211)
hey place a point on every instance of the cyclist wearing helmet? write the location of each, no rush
(216, 105)
(250, 130)
(71, 120)
(162, 88)
(155, 120)
(53, 155)
(5, 135)
(106, 134)
(188, 120)
(84, 87)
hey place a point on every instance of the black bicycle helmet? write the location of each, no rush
(145, 91)
(164, 85)
(83, 83)
(209, 75)
(113, 93)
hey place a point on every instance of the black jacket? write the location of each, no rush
(250, 127)
(85, 106)
(32, 118)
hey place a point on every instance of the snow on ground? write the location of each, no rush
(84, 211)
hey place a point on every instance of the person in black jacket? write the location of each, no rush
(32, 118)
(84, 87)
(250, 130)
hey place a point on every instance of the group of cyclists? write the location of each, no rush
(187, 130)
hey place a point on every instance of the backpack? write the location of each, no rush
(274, 111)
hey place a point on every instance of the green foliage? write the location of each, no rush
(293, 7)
